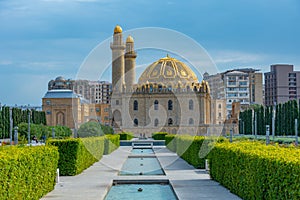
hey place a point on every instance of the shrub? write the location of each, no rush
(40, 130)
(112, 142)
(27, 172)
(126, 136)
(159, 135)
(171, 142)
(253, 170)
(90, 129)
(193, 149)
(75, 155)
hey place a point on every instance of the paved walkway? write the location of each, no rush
(94, 183)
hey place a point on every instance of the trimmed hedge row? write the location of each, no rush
(253, 170)
(112, 142)
(75, 155)
(193, 149)
(159, 135)
(126, 136)
(27, 172)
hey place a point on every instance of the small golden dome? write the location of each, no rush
(129, 39)
(118, 29)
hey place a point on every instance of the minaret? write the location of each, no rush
(130, 57)
(117, 47)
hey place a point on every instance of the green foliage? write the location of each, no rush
(27, 172)
(107, 129)
(112, 142)
(75, 155)
(171, 142)
(94, 129)
(126, 136)
(19, 116)
(159, 135)
(286, 114)
(193, 149)
(40, 130)
(253, 170)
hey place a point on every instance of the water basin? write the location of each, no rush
(141, 166)
(141, 191)
(142, 151)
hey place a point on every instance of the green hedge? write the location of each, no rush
(253, 170)
(171, 142)
(27, 172)
(112, 142)
(126, 136)
(193, 149)
(75, 155)
(159, 135)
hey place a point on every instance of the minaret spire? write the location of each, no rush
(117, 47)
(130, 57)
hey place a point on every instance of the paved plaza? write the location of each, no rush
(94, 183)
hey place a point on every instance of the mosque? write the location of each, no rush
(168, 96)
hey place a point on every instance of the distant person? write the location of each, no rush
(35, 139)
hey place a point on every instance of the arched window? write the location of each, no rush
(170, 121)
(170, 88)
(156, 122)
(191, 121)
(220, 106)
(191, 104)
(135, 105)
(135, 122)
(170, 105)
(155, 105)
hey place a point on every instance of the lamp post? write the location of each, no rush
(28, 135)
(11, 125)
(16, 135)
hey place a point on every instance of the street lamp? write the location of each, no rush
(28, 134)
(16, 134)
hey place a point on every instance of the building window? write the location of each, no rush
(156, 122)
(106, 118)
(170, 121)
(48, 112)
(220, 106)
(97, 109)
(48, 102)
(220, 114)
(191, 121)
(135, 105)
(170, 105)
(117, 102)
(191, 104)
(105, 109)
(155, 105)
(135, 122)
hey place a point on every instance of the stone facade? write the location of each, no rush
(167, 97)
(64, 107)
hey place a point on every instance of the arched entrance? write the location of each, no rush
(60, 118)
(117, 119)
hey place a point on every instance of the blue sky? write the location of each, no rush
(42, 39)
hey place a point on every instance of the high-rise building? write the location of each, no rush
(282, 84)
(94, 91)
(238, 85)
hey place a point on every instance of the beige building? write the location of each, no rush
(66, 108)
(168, 96)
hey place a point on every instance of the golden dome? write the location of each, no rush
(118, 29)
(129, 39)
(167, 71)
